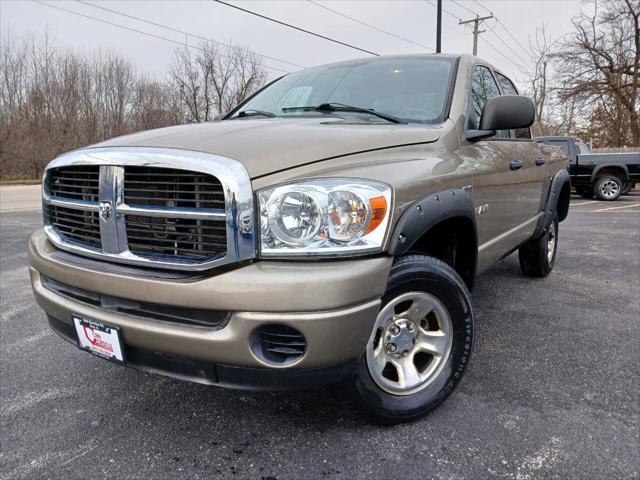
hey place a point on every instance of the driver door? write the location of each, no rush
(499, 179)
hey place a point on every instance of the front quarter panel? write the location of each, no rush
(413, 172)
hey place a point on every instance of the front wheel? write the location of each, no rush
(420, 344)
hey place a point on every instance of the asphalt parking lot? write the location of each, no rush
(553, 390)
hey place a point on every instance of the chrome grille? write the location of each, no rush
(79, 183)
(175, 236)
(76, 225)
(171, 188)
(150, 206)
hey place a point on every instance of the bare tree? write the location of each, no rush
(211, 79)
(599, 68)
(540, 78)
(54, 100)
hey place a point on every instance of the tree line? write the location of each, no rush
(587, 83)
(53, 100)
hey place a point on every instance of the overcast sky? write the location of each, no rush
(413, 20)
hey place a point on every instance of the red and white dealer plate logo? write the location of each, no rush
(98, 338)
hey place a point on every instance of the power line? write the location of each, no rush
(159, 37)
(476, 33)
(482, 6)
(370, 26)
(465, 8)
(520, 67)
(491, 29)
(507, 45)
(513, 37)
(167, 27)
(489, 44)
(443, 9)
(295, 27)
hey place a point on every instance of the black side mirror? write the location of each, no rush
(506, 112)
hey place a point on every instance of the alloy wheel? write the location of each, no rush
(609, 189)
(410, 343)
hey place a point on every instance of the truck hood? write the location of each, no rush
(268, 145)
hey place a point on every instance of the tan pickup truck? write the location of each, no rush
(328, 229)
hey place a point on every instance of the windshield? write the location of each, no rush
(411, 89)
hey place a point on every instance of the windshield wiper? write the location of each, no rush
(255, 113)
(341, 107)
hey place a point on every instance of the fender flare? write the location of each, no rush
(559, 181)
(429, 211)
(621, 167)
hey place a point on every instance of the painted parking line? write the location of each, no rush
(618, 208)
(584, 203)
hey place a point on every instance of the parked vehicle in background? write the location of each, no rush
(605, 175)
(327, 229)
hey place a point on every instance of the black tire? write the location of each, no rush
(535, 260)
(585, 192)
(626, 188)
(420, 273)
(608, 187)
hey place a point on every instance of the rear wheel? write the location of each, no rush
(538, 256)
(585, 192)
(420, 344)
(608, 187)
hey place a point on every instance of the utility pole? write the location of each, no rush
(439, 28)
(476, 23)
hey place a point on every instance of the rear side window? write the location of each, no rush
(508, 88)
(506, 85)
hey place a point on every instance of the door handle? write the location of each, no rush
(515, 164)
(540, 161)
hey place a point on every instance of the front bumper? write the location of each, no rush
(333, 304)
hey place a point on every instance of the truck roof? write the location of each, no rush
(465, 60)
(556, 137)
(447, 56)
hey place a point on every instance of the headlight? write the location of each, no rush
(324, 217)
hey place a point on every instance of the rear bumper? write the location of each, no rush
(333, 304)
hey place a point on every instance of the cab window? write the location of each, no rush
(483, 89)
(563, 144)
(508, 88)
(583, 148)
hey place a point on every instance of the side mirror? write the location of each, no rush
(505, 112)
(220, 116)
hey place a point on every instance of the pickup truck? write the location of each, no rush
(605, 175)
(328, 229)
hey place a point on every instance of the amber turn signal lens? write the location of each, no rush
(378, 212)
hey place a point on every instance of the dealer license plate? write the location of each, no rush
(99, 338)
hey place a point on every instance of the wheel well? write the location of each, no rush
(454, 242)
(562, 207)
(615, 171)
